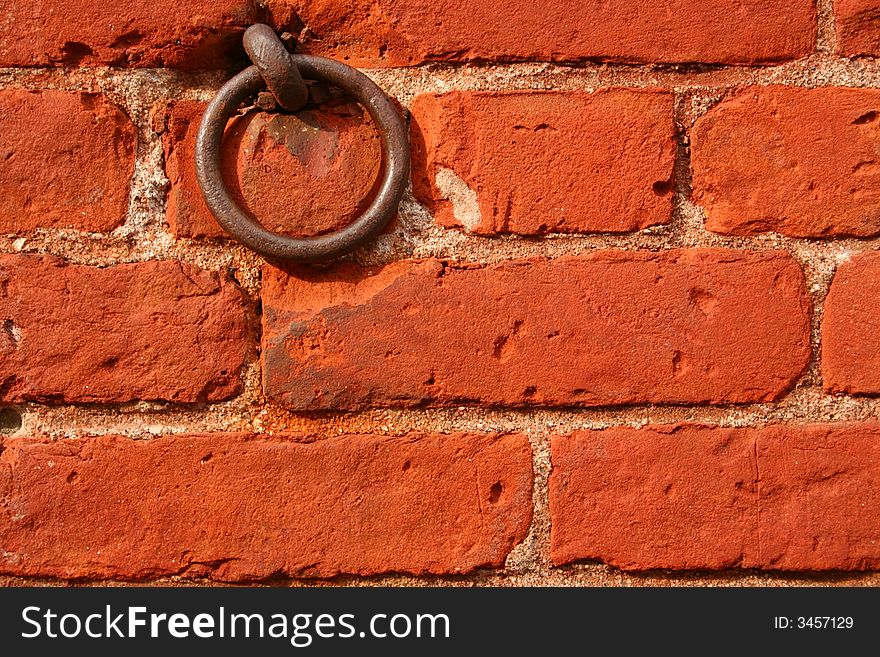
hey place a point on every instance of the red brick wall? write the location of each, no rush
(625, 328)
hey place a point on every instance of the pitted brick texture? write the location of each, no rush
(851, 328)
(254, 507)
(66, 161)
(545, 162)
(407, 32)
(685, 497)
(801, 162)
(696, 326)
(159, 330)
(142, 33)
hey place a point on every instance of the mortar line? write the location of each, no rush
(826, 34)
(817, 70)
(532, 555)
(250, 413)
(583, 574)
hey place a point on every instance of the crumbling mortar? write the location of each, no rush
(826, 37)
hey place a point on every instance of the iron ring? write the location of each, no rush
(246, 229)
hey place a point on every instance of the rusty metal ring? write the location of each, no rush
(246, 229)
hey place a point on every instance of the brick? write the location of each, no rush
(239, 508)
(407, 32)
(541, 162)
(147, 331)
(858, 27)
(801, 162)
(819, 497)
(714, 326)
(801, 498)
(668, 497)
(83, 148)
(851, 328)
(302, 174)
(142, 33)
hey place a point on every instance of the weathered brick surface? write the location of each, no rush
(158, 330)
(66, 160)
(303, 174)
(801, 162)
(851, 328)
(200, 34)
(247, 507)
(405, 32)
(715, 326)
(686, 497)
(819, 497)
(544, 135)
(858, 27)
(539, 162)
